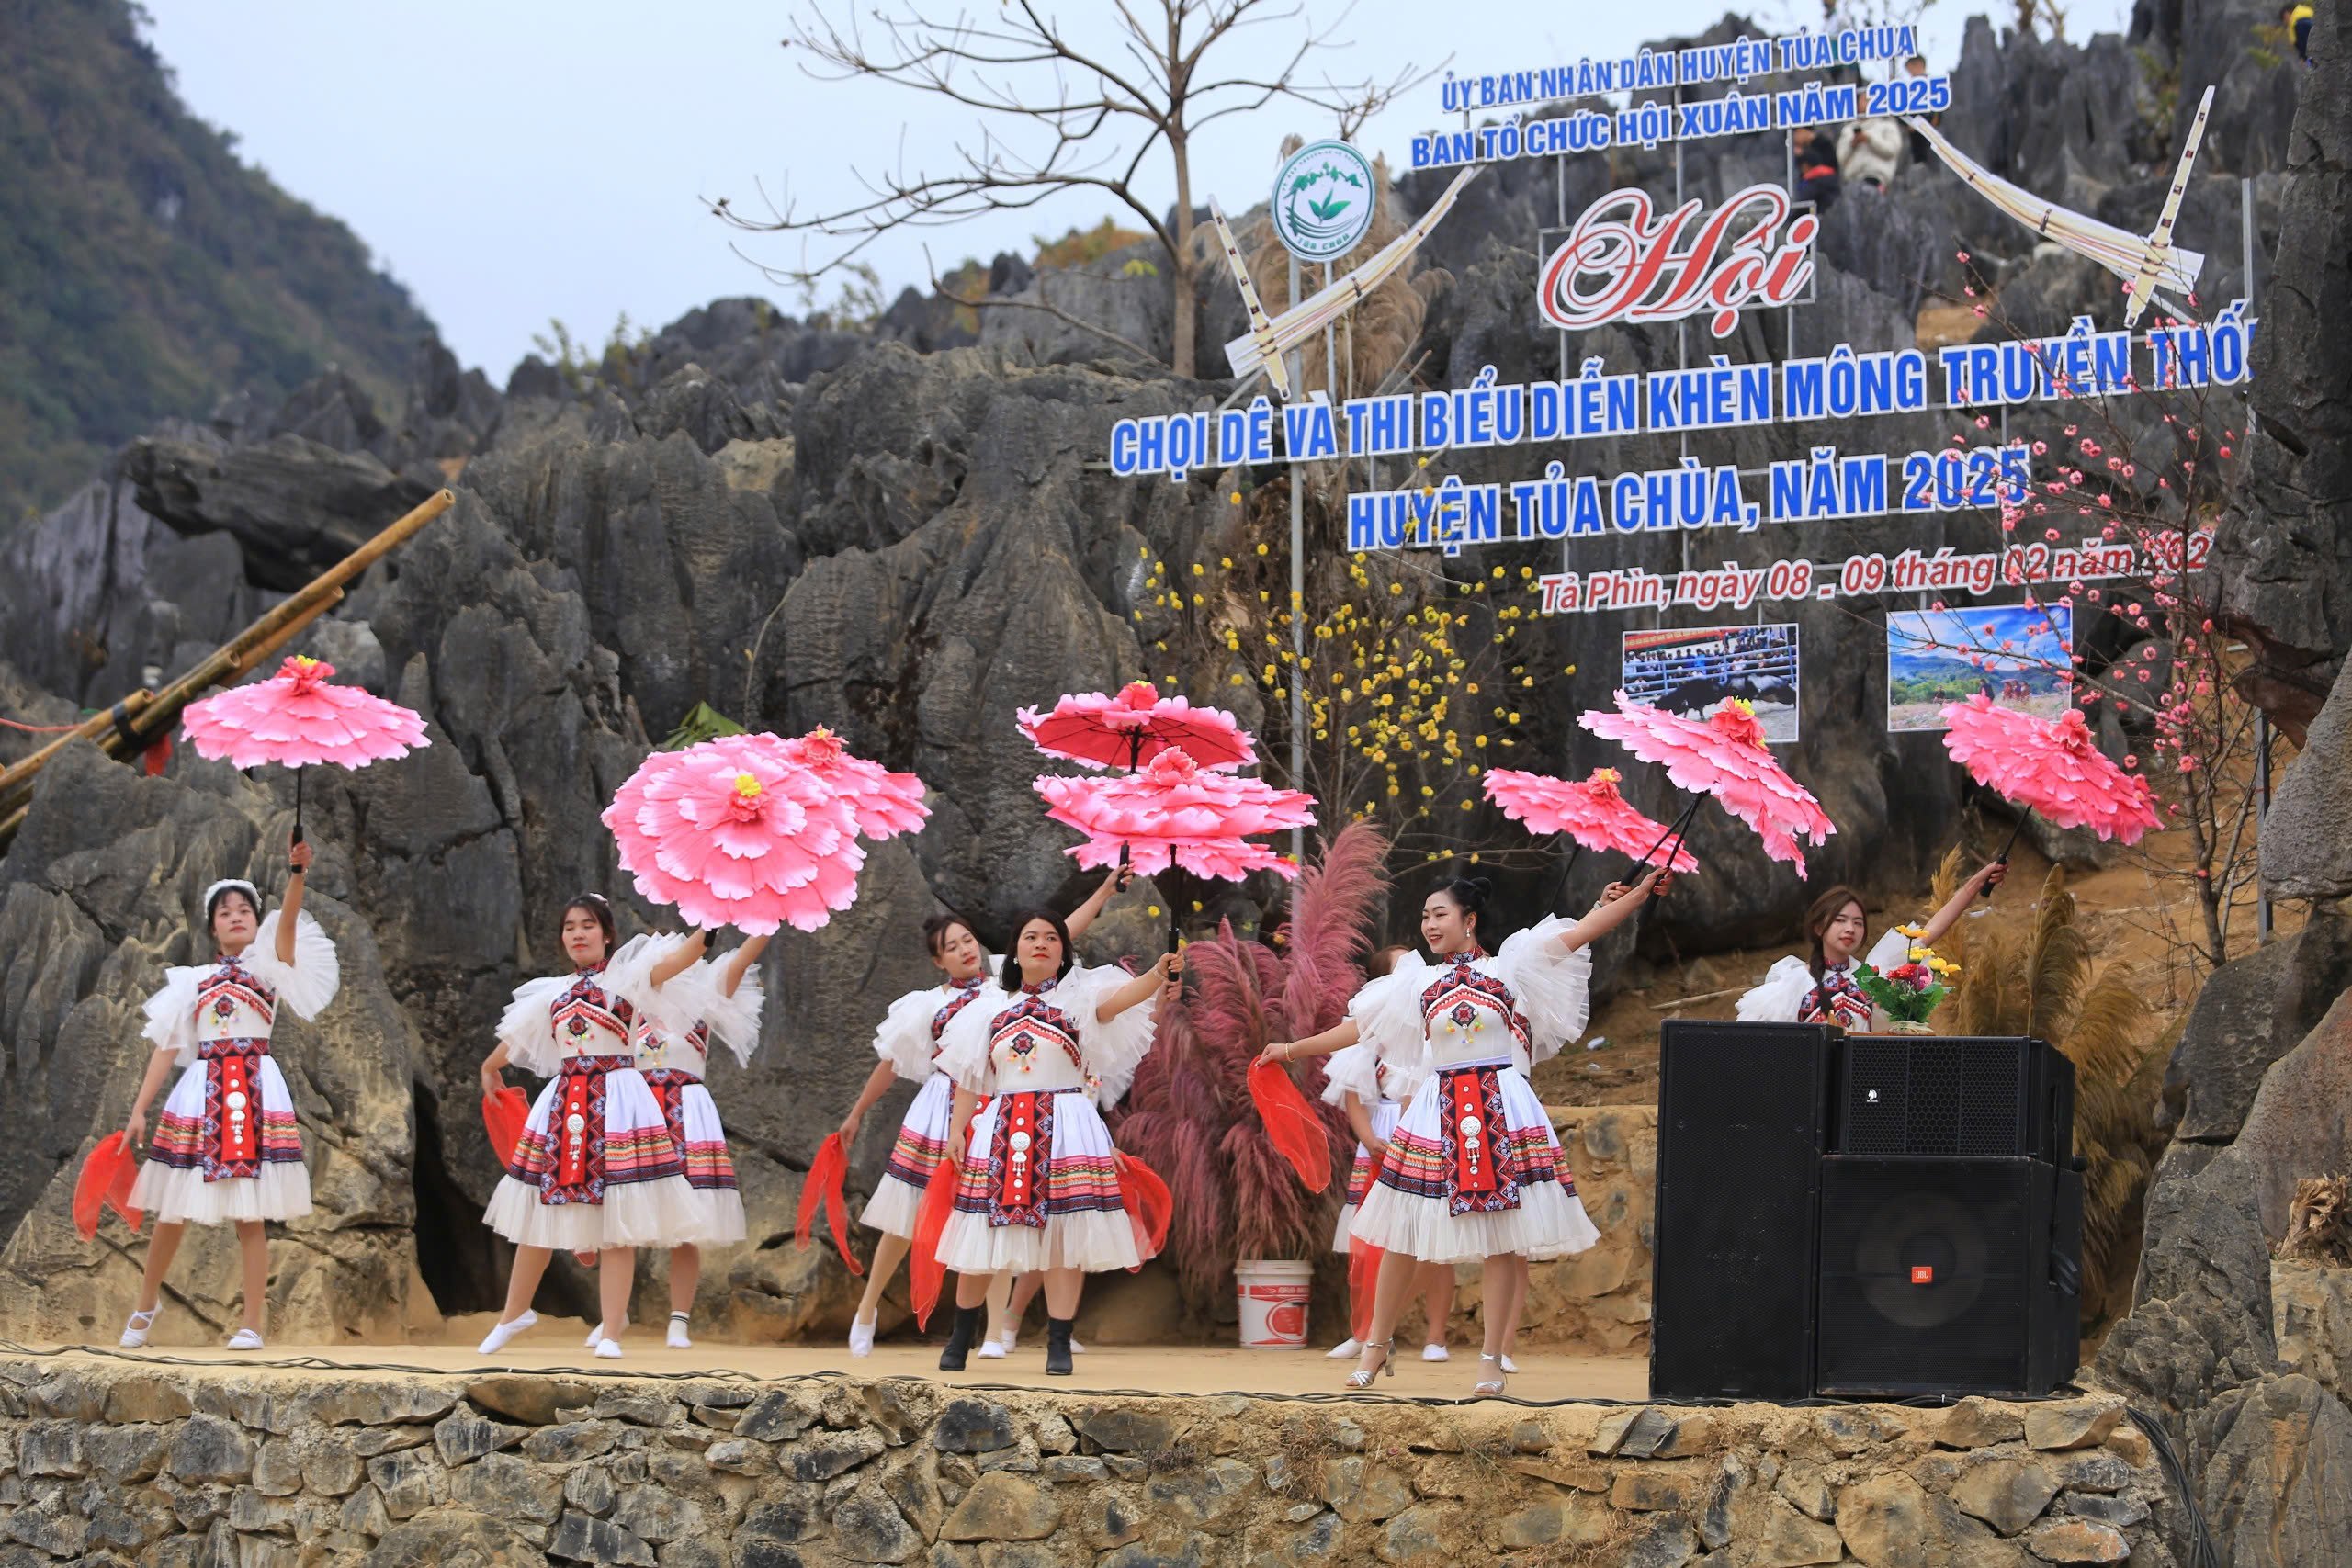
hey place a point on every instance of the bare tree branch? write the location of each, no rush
(992, 302)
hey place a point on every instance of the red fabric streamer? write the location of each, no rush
(1292, 1125)
(158, 757)
(826, 1175)
(504, 1117)
(104, 1183)
(1363, 1283)
(1150, 1209)
(925, 1274)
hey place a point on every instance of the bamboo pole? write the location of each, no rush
(231, 662)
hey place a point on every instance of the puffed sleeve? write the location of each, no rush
(964, 1048)
(1553, 988)
(1889, 951)
(628, 976)
(1351, 1069)
(308, 984)
(1387, 1014)
(734, 1021)
(1113, 1050)
(528, 1027)
(903, 1037)
(1777, 998)
(171, 1013)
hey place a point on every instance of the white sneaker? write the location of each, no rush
(495, 1340)
(992, 1351)
(1075, 1348)
(1347, 1349)
(1509, 1366)
(134, 1330)
(608, 1350)
(596, 1338)
(1439, 1353)
(244, 1339)
(678, 1338)
(861, 1338)
(1012, 1342)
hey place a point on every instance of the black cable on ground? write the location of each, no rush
(2200, 1539)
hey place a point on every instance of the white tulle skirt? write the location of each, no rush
(645, 1200)
(922, 1144)
(176, 1194)
(1086, 1226)
(1407, 1210)
(1384, 1114)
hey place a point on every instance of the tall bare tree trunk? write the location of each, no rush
(1182, 324)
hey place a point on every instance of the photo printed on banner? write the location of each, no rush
(2020, 656)
(1690, 671)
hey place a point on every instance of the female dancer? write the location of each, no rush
(1472, 1169)
(1038, 1190)
(671, 1039)
(908, 1043)
(1820, 988)
(596, 1169)
(1432, 1282)
(226, 1145)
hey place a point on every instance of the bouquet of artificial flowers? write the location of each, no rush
(1910, 991)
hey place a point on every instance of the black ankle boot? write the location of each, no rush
(959, 1340)
(1058, 1345)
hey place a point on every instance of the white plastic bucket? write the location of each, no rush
(1274, 1303)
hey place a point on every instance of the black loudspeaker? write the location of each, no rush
(1937, 1095)
(1742, 1119)
(1948, 1276)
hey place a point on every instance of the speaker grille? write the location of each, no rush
(1991, 1115)
(1937, 1081)
(1941, 1097)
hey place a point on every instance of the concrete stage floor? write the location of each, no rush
(555, 1346)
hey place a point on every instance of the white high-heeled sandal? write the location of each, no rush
(134, 1331)
(1362, 1377)
(1490, 1386)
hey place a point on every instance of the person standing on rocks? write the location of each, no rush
(908, 1043)
(674, 1056)
(1038, 1186)
(1820, 986)
(596, 1169)
(227, 1148)
(1472, 1170)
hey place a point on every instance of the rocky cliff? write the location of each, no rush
(905, 534)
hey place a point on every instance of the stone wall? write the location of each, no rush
(110, 1462)
(1599, 1302)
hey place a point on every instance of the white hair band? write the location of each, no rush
(253, 894)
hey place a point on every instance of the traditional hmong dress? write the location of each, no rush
(672, 1035)
(1038, 1187)
(1789, 993)
(909, 1039)
(1473, 1167)
(226, 1145)
(596, 1166)
(1348, 1066)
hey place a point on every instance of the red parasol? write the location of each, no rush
(823, 1185)
(1590, 811)
(1130, 727)
(504, 1117)
(107, 1172)
(2052, 766)
(1723, 757)
(733, 834)
(298, 720)
(1292, 1124)
(1150, 1209)
(1174, 811)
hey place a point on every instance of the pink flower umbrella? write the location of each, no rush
(296, 719)
(1589, 810)
(733, 834)
(1130, 727)
(884, 804)
(2052, 766)
(1175, 812)
(1724, 756)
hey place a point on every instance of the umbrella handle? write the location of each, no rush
(297, 805)
(2003, 858)
(1562, 886)
(1674, 832)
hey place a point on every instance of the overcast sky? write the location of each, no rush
(519, 160)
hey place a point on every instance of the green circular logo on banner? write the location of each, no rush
(1323, 200)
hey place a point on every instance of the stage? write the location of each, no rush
(556, 1347)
